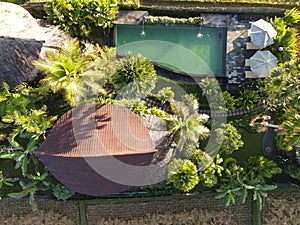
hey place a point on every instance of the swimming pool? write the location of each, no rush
(194, 50)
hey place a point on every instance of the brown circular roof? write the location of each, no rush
(94, 132)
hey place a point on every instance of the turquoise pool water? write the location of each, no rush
(190, 49)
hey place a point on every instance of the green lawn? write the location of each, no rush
(252, 145)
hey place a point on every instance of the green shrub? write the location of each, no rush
(165, 95)
(26, 124)
(135, 105)
(209, 177)
(229, 100)
(288, 135)
(286, 42)
(263, 168)
(135, 76)
(291, 17)
(247, 98)
(197, 156)
(183, 174)
(294, 171)
(239, 181)
(232, 139)
(62, 193)
(213, 93)
(79, 17)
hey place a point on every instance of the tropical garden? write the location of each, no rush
(232, 165)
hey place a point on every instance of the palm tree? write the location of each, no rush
(187, 124)
(73, 70)
(135, 76)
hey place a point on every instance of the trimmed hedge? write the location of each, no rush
(171, 20)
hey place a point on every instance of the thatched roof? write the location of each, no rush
(95, 133)
(22, 40)
(16, 58)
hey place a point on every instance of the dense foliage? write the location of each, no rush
(84, 73)
(24, 124)
(231, 138)
(286, 42)
(78, 74)
(283, 99)
(79, 17)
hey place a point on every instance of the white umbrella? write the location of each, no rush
(262, 33)
(262, 62)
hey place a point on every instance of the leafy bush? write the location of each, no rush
(287, 36)
(198, 156)
(165, 95)
(239, 181)
(263, 168)
(247, 98)
(288, 133)
(229, 100)
(209, 177)
(183, 174)
(26, 125)
(135, 76)
(79, 17)
(282, 89)
(135, 105)
(231, 138)
(291, 17)
(294, 171)
(212, 91)
(62, 193)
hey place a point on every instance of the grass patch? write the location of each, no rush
(252, 145)
(252, 139)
